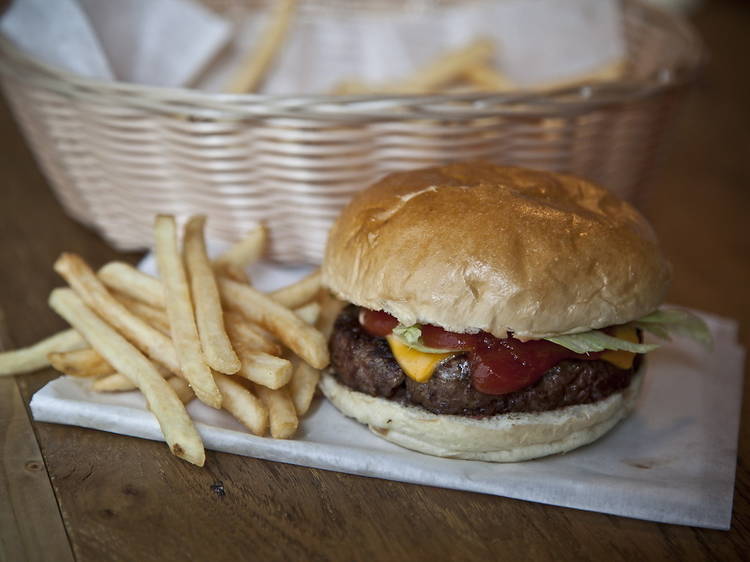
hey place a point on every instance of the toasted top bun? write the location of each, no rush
(474, 246)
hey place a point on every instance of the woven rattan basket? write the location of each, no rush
(117, 153)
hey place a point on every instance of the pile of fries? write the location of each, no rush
(200, 331)
(469, 68)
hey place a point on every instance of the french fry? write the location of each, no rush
(484, 77)
(120, 383)
(34, 357)
(181, 388)
(255, 66)
(248, 335)
(217, 349)
(246, 251)
(304, 340)
(263, 368)
(438, 73)
(305, 378)
(177, 427)
(330, 307)
(154, 317)
(234, 272)
(309, 313)
(80, 363)
(180, 313)
(281, 412)
(299, 293)
(352, 87)
(243, 404)
(127, 280)
(448, 67)
(302, 386)
(115, 382)
(153, 343)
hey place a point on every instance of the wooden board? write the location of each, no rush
(31, 527)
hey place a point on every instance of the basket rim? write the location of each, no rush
(567, 100)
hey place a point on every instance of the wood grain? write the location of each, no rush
(31, 527)
(124, 498)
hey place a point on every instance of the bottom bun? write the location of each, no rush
(501, 438)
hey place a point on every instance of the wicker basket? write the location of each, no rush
(117, 153)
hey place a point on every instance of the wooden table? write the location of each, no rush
(67, 492)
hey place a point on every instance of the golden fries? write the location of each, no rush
(88, 287)
(309, 313)
(439, 73)
(263, 368)
(181, 388)
(243, 404)
(255, 66)
(34, 357)
(154, 317)
(180, 313)
(135, 284)
(330, 307)
(299, 293)
(448, 67)
(281, 411)
(116, 382)
(217, 349)
(127, 280)
(484, 77)
(234, 272)
(136, 289)
(302, 386)
(80, 363)
(131, 331)
(177, 427)
(246, 251)
(249, 336)
(304, 340)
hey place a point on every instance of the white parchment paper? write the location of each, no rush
(182, 43)
(59, 34)
(161, 43)
(673, 460)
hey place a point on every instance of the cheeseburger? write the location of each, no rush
(494, 313)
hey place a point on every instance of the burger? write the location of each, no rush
(493, 313)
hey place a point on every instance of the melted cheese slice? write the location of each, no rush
(416, 364)
(620, 358)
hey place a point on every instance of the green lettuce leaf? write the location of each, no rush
(595, 340)
(412, 336)
(661, 323)
(678, 322)
(408, 334)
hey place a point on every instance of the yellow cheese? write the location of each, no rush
(622, 359)
(416, 364)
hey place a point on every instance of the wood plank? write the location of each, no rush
(31, 527)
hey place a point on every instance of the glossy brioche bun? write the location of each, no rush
(474, 246)
(500, 438)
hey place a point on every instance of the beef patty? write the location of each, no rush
(365, 363)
